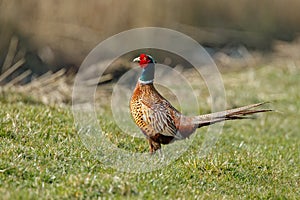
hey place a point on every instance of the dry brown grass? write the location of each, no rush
(56, 88)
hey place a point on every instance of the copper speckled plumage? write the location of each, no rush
(159, 121)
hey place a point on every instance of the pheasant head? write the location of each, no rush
(147, 63)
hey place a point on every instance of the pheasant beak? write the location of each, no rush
(137, 59)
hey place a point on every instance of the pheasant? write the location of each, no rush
(160, 122)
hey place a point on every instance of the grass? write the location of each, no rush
(42, 157)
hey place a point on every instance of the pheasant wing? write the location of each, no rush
(159, 116)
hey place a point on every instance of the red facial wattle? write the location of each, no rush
(144, 60)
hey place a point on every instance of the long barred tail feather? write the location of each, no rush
(232, 114)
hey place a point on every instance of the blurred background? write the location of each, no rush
(43, 43)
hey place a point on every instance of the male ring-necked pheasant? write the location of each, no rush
(159, 121)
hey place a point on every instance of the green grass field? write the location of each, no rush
(42, 157)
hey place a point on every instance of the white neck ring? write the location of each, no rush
(145, 82)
